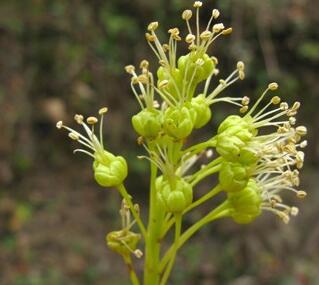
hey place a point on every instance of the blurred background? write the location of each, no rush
(60, 57)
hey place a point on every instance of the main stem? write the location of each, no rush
(152, 246)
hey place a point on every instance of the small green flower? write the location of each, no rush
(246, 203)
(175, 195)
(147, 123)
(124, 241)
(109, 170)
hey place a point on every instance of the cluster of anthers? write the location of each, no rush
(93, 145)
(177, 77)
(279, 153)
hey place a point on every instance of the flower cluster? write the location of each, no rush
(167, 120)
(258, 152)
(258, 167)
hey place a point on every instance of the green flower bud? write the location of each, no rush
(109, 170)
(147, 123)
(236, 121)
(202, 111)
(234, 133)
(177, 199)
(233, 177)
(246, 203)
(122, 242)
(178, 122)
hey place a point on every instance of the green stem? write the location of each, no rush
(128, 200)
(219, 212)
(216, 190)
(152, 246)
(178, 228)
(199, 147)
(133, 276)
(200, 175)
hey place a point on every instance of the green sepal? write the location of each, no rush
(147, 123)
(109, 170)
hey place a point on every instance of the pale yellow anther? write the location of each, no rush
(245, 101)
(214, 60)
(296, 106)
(174, 34)
(275, 100)
(284, 217)
(74, 136)
(162, 84)
(303, 144)
(301, 130)
(165, 47)
(294, 211)
(138, 253)
(144, 64)
(198, 4)
(218, 27)
(240, 65)
(216, 71)
(284, 106)
(301, 194)
(273, 86)
(206, 35)
(243, 109)
(59, 124)
(209, 153)
(156, 104)
(92, 120)
(227, 31)
(292, 121)
(215, 13)
(78, 118)
(187, 14)
(152, 26)
(130, 69)
(190, 38)
(103, 111)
